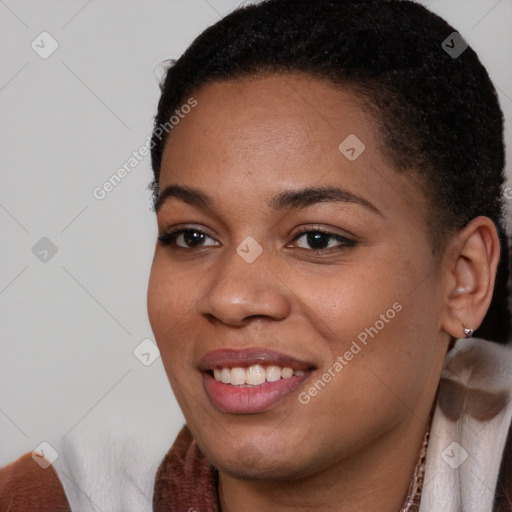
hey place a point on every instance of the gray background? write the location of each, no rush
(69, 325)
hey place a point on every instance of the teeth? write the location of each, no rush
(273, 373)
(286, 373)
(254, 375)
(225, 376)
(237, 376)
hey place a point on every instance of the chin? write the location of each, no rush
(251, 464)
(261, 471)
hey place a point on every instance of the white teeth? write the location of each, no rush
(225, 376)
(286, 372)
(237, 376)
(273, 373)
(254, 375)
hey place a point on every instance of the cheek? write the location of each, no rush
(380, 346)
(382, 320)
(170, 301)
(344, 302)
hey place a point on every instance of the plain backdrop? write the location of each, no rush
(74, 269)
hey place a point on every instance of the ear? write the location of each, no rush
(470, 265)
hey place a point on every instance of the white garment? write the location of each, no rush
(112, 468)
(464, 456)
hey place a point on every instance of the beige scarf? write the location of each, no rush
(469, 428)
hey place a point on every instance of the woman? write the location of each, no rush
(330, 214)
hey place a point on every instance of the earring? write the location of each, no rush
(468, 332)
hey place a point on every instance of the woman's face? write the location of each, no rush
(296, 247)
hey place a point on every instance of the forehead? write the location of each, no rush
(258, 135)
(292, 115)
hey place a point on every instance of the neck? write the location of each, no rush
(376, 478)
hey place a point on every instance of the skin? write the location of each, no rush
(354, 446)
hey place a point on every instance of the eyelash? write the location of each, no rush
(169, 239)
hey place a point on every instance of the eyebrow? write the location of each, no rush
(288, 200)
(189, 195)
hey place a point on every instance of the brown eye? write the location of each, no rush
(320, 241)
(184, 238)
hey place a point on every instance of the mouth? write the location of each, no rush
(251, 381)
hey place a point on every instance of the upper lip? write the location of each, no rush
(231, 358)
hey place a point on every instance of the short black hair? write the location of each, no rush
(437, 113)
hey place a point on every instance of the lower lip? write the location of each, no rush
(250, 399)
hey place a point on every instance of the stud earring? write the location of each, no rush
(468, 332)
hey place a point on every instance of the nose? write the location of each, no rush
(240, 291)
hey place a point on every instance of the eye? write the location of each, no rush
(323, 241)
(185, 238)
(317, 240)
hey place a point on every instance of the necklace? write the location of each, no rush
(412, 502)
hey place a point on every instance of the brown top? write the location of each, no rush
(185, 481)
(26, 487)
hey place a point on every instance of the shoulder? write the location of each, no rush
(26, 487)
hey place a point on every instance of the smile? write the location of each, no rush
(251, 380)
